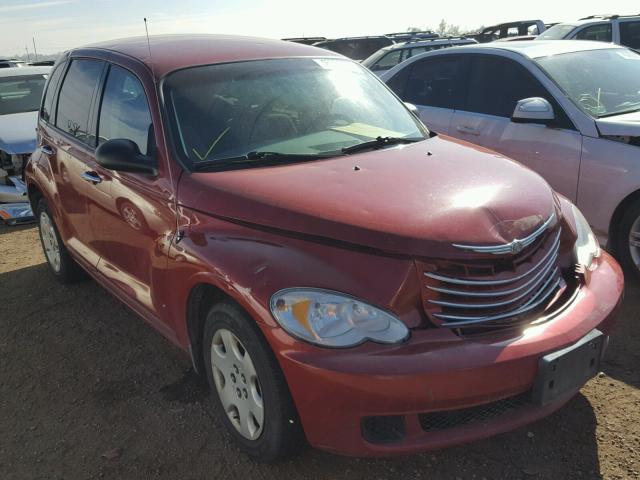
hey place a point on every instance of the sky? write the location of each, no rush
(58, 25)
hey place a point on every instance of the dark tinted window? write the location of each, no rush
(436, 82)
(391, 59)
(124, 112)
(48, 102)
(76, 94)
(630, 34)
(398, 82)
(599, 33)
(497, 84)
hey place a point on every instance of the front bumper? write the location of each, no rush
(435, 371)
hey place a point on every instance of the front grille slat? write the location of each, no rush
(460, 281)
(472, 293)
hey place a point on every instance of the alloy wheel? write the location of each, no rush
(50, 241)
(237, 384)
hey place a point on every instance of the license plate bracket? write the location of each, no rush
(568, 369)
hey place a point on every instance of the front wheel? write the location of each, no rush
(627, 245)
(248, 387)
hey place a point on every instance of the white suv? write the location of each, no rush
(619, 29)
(388, 57)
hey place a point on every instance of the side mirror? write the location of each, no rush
(533, 110)
(123, 155)
(412, 108)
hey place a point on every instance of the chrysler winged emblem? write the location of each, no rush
(514, 247)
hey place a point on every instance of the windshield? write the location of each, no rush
(21, 94)
(557, 32)
(600, 82)
(296, 106)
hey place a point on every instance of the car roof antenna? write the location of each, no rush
(149, 48)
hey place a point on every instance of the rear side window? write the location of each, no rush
(391, 59)
(630, 34)
(48, 102)
(497, 84)
(76, 95)
(598, 33)
(124, 112)
(436, 82)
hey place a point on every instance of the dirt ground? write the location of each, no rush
(88, 390)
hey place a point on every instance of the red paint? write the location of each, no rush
(367, 232)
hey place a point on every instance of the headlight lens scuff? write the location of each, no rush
(586, 248)
(332, 319)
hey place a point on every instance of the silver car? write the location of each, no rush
(568, 110)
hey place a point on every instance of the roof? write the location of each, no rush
(23, 71)
(425, 42)
(173, 52)
(544, 48)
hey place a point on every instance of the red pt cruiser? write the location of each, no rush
(338, 272)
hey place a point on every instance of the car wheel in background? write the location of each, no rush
(248, 387)
(627, 245)
(65, 269)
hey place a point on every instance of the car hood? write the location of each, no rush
(414, 199)
(18, 132)
(625, 125)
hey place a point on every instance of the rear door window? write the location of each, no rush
(436, 82)
(391, 59)
(48, 101)
(598, 33)
(76, 96)
(124, 112)
(630, 34)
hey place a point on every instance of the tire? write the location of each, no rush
(278, 434)
(60, 262)
(628, 255)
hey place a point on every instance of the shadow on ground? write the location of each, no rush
(88, 390)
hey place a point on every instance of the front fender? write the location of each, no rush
(249, 265)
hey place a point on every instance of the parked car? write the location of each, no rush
(337, 272)
(510, 29)
(305, 40)
(356, 48)
(20, 94)
(389, 57)
(581, 132)
(619, 29)
(11, 63)
(413, 35)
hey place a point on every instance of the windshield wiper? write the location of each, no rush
(260, 158)
(378, 143)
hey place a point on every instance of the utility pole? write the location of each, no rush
(35, 52)
(27, 50)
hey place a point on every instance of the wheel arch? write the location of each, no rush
(618, 213)
(202, 296)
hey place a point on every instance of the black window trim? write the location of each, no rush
(63, 65)
(571, 127)
(99, 97)
(90, 122)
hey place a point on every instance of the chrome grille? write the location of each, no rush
(464, 301)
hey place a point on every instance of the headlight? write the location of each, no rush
(586, 248)
(332, 319)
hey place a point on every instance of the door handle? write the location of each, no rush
(91, 177)
(469, 130)
(47, 150)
